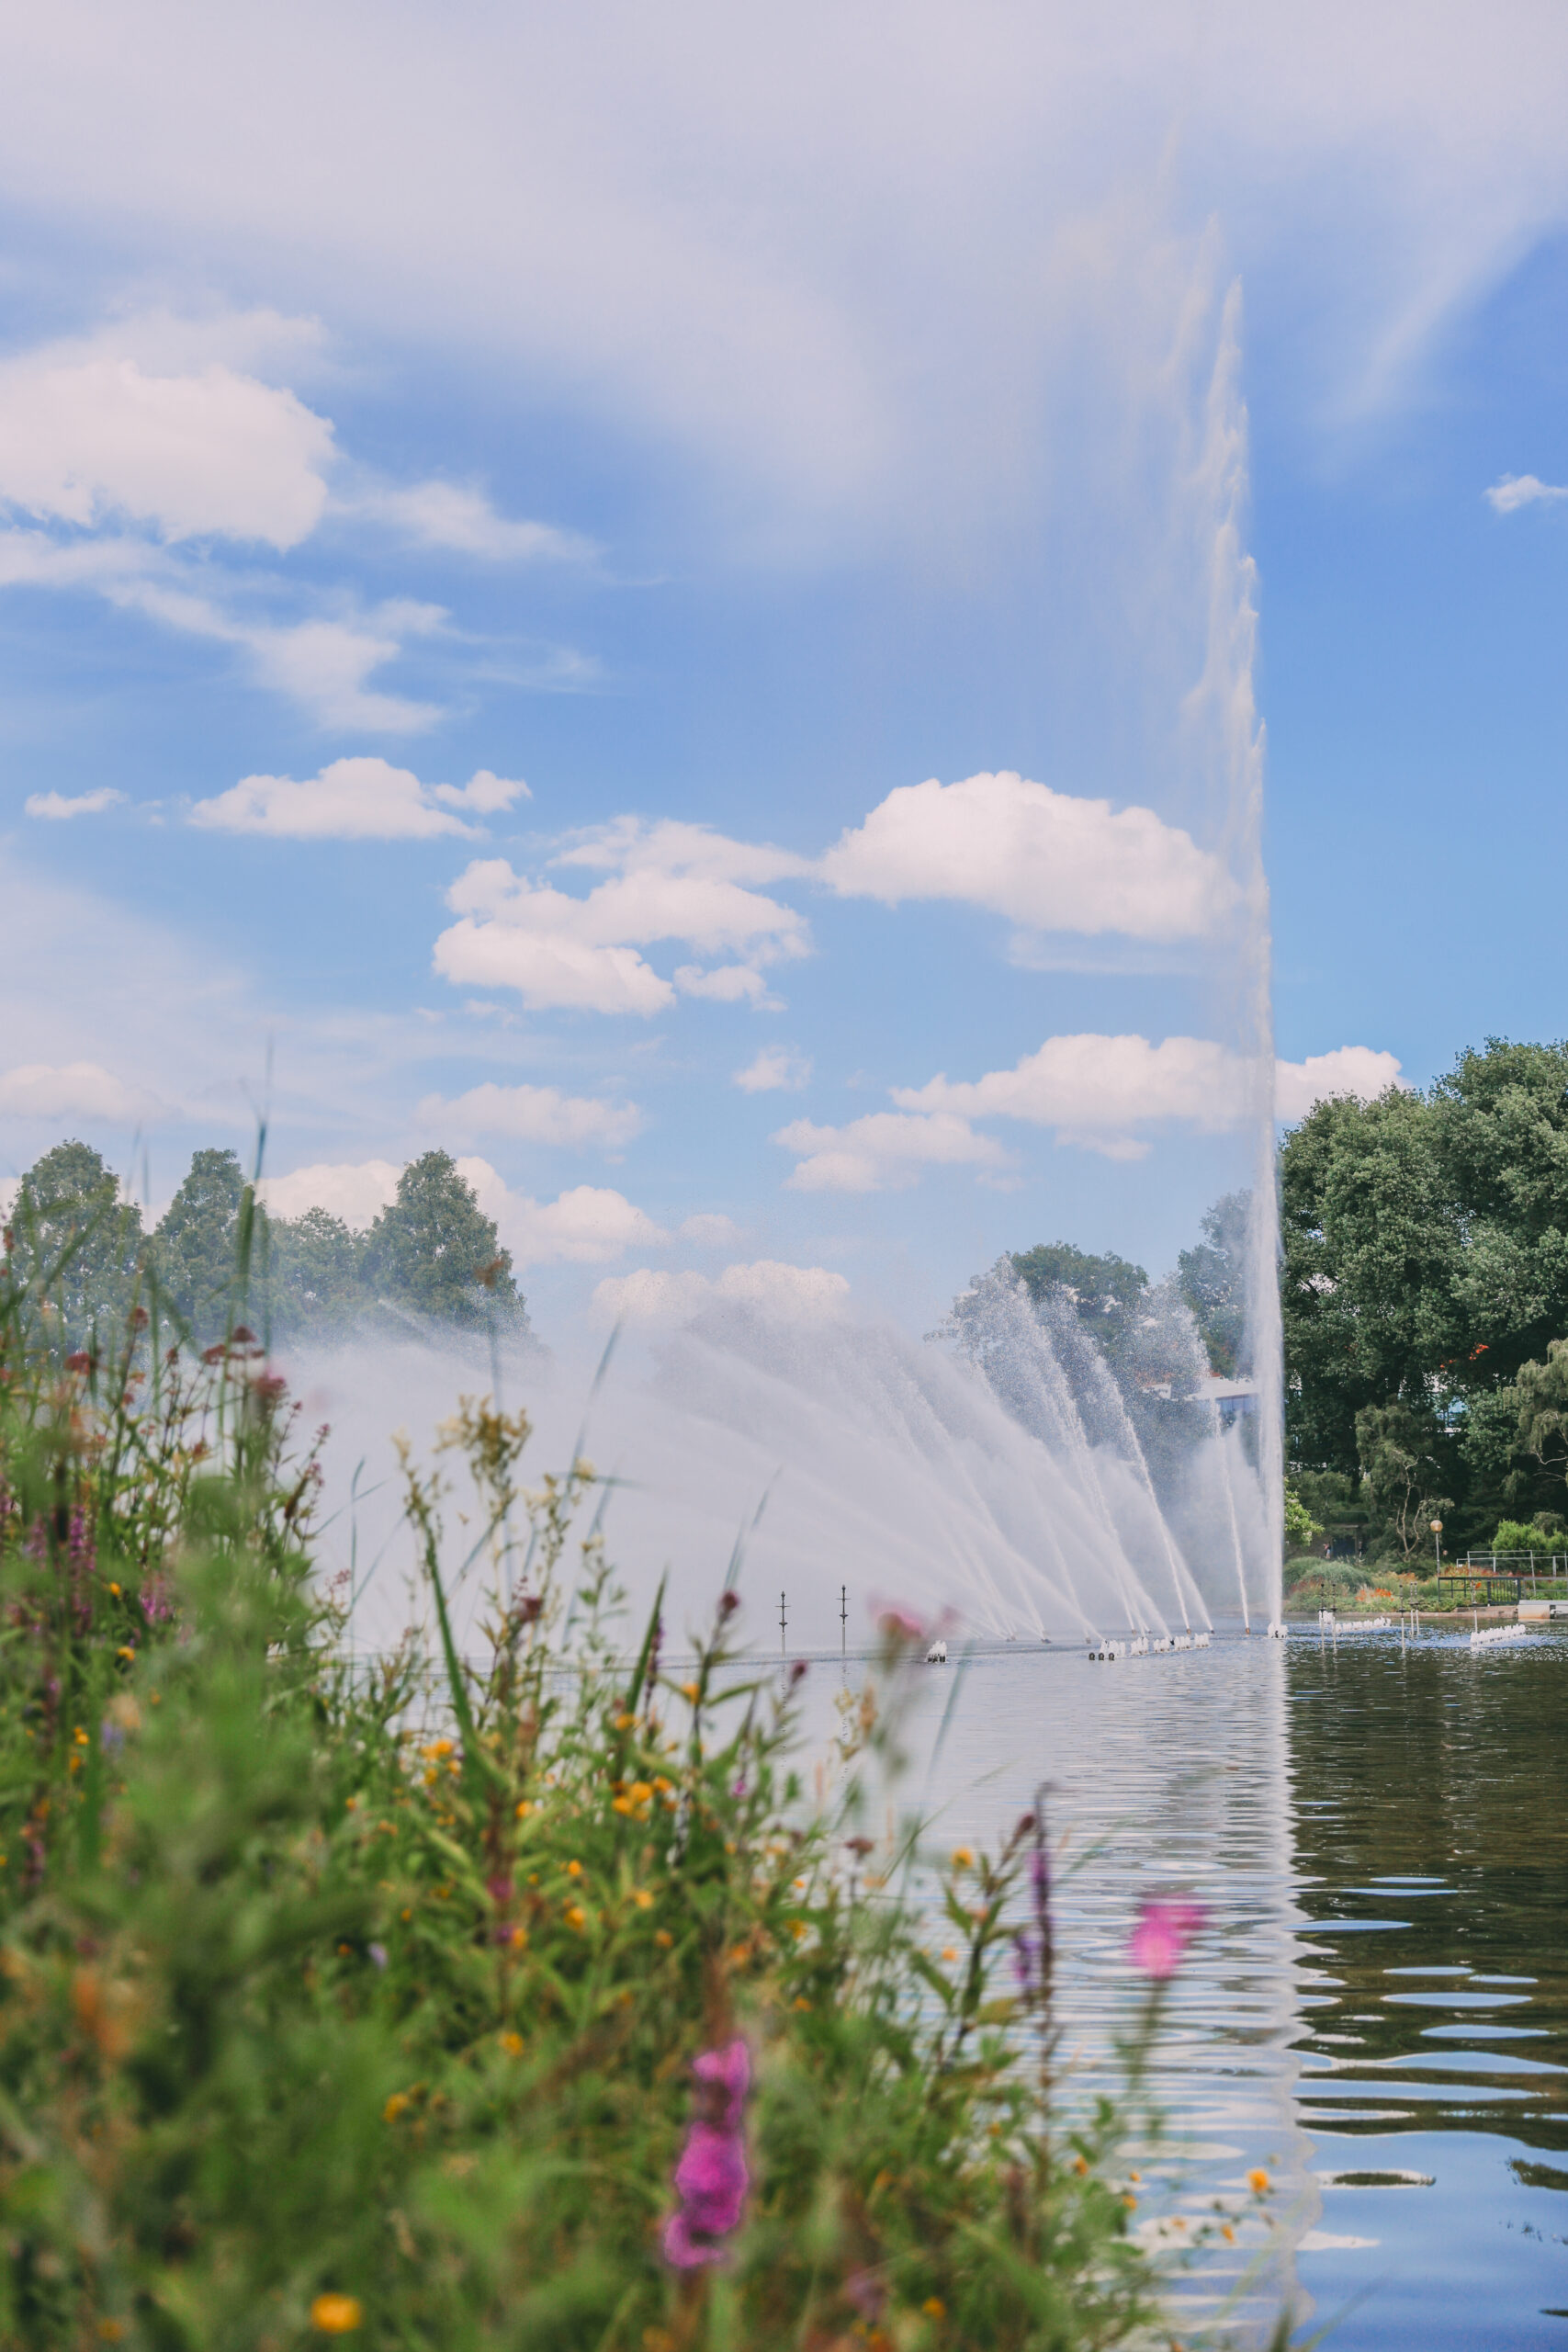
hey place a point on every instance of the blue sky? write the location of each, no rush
(801, 454)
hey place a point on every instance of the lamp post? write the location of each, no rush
(1437, 1544)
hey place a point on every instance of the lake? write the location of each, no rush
(1377, 2011)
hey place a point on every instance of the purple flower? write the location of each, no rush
(711, 2178)
(1162, 1935)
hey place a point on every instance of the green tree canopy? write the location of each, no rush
(76, 1242)
(1106, 1291)
(1214, 1281)
(195, 1247)
(314, 1276)
(434, 1250)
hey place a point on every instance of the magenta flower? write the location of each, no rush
(711, 2178)
(1162, 1935)
(899, 1626)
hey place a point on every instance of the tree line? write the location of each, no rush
(78, 1244)
(1425, 1295)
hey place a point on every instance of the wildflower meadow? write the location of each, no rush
(508, 1992)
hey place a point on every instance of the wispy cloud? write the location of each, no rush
(458, 517)
(532, 1114)
(792, 1294)
(775, 1069)
(56, 805)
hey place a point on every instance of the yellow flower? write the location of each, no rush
(574, 1870)
(624, 1723)
(1131, 2203)
(800, 2002)
(934, 2308)
(641, 1792)
(1257, 2181)
(519, 1939)
(1228, 2233)
(622, 1804)
(336, 2314)
(642, 1898)
(1080, 2165)
(576, 1917)
(950, 1953)
(80, 1736)
(963, 1860)
(512, 2045)
(662, 1937)
(524, 1810)
(124, 1652)
(394, 2106)
(691, 1690)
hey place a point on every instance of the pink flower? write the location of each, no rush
(1162, 1935)
(899, 1626)
(711, 2178)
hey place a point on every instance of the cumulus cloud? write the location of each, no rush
(883, 1152)
(76, 1091)
(533, 1114)
(353, 800)
(793, 1293)
(456, 515)
(1505, 497)
(775, 1069)
(1099, 1092)
(1050, 861)
(89, 434)
(585, 1227)
(666, 881)
(59, 805)
(1361, 1070)
(354, 1191)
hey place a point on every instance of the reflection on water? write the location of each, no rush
(1377, 2012)
(1431, 1839)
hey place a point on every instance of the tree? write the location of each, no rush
(1105, 1291)
(76, 1242)
(1213, 1279)
(196, 1248)
(1400, 1454)
(434, 1250)
(314, 1282)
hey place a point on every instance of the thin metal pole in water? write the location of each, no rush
(843, 1621)
(781, 1624)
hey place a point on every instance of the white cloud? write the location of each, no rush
(58, 805)
(1361, 1070)
(584, 1226)
(1100, 1092)
(533, 1114)
(668, 881)
(708, 1230)
(776, 1067)
(76, 1091)
(728, 984)
(353, 799)
(1505, 497)
(1050, 861)
(323, 664)
(354, 1191)
(452, 514)
(883, 1152)
(88, 434)
(792, 1294)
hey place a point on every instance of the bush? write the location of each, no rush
(1519, 1535)
(524, 2006)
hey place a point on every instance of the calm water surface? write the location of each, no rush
(1378, 2011)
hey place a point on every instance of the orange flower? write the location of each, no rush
(336, 2314)
(1257, 2181)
